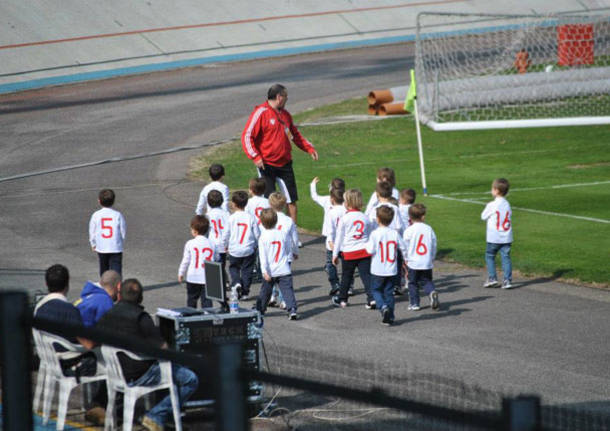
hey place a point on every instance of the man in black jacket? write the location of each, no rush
(129, 319)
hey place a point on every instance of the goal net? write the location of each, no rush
(477, 71)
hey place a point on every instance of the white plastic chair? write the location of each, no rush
(42, 369)
(117, 383)
(52, 371)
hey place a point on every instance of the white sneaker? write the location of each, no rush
(414, 308)
(283, 305)
(300, 244)
(272, 301)
(434, 300)
(491, 283)
(506, 285)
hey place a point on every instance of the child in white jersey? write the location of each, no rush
(197, 251)
(407, 198)
(217, 173)
(384, 245)
(275, 249)
(350, 241)
(219, 232)
(383, 175)
(499, 234)
(383, 190)
(333, 202)
(257, 201)
(107, 233)
(243, 237)
(420, 241)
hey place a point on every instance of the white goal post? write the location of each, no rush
(480, 71)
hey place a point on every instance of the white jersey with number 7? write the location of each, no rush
(107, 231)
(243, 234)
(421, 246)
(275, 252)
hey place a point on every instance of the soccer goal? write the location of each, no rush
(478, 71)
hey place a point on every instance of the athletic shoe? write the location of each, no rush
(491, 283)
(506, 285)
(151, 425)
(96, 415)
(283, 305)
(387, 316)
(414, 308)
(350, 291)
(434, 300)
(293, 315)
(398, 291)
(337, 303)
(272, 301)
(238, 288)
(371, 305)
(334, 289)
(300, 244)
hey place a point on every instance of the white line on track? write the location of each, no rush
(526, 189)
(529, 210)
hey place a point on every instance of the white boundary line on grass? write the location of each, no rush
(526, 189)
(470, 201)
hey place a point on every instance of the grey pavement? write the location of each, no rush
(542, 337)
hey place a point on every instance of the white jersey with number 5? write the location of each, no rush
(275, 252)
(420, 241)
(499, 221)
(107, 231)
(197, 251)
(383, 245)
(243, 234)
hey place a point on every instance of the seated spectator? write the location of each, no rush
(129, 319)
(97, 298)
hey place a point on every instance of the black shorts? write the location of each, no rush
(284, 177)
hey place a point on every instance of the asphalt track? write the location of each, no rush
(542, 337)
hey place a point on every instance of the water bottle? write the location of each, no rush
(234, 301)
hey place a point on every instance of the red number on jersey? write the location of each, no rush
(505, 223)
(279, 248)
(243, 234)
(105, 227)
(389, 255)
(202, 253)
(359, 229)
(217, 226)
(421, 248)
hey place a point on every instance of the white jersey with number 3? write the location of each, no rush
(499, 221)
(197, 251)
(421, 246)
(107, 231)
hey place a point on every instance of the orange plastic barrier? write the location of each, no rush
(575, 44)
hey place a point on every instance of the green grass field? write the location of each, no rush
(569, 238)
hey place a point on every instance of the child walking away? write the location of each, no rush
(383, 175)
(243, 237)
(420, 241)
(197, 251)
(219, 232)
(333, 211)
(350, 240)
(217, 173)
(107, 233)
(275, 249)
(257, 201)
(499, 234)
(384, 244)
(407, 198)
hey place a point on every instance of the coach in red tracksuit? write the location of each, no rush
(266, 140)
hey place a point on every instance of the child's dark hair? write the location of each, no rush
(387, 174)
(417, 212)
(257, 186)
(408, 195)
(337, 183)
(336, 196)
(57, 278)
(216, 172)
(200, 224)
(268, 218)
(384, 189)
(215, 199)
(385, 215)
(501, 185)
(106, 198)
(240, 199)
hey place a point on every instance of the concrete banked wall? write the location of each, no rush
(50, 42)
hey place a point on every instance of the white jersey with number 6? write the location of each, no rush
(275, 252)
(197, 251)
(420, 241)
(107, 231)
(243, 234)
(383, 245)
(499, 221)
